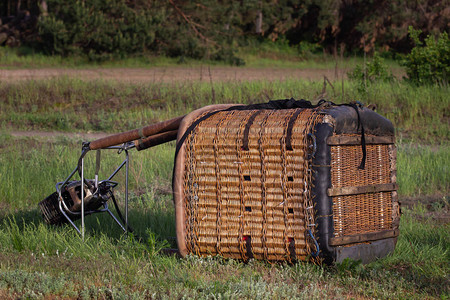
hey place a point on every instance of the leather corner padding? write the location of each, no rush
(366, 252)
(178, 175)
(321, 165)
(346, 121)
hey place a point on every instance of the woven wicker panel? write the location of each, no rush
(345, 161)
(363, 213)
(234, 195)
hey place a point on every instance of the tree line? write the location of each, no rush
(104, 29)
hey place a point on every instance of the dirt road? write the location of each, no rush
(89, 136)
(172, 74)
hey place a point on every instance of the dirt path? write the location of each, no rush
(171, 74)
(56, 134)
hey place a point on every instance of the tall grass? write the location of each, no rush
(29, 169)
(73, 104)
(423, 170)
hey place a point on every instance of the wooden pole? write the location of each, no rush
(136, 134)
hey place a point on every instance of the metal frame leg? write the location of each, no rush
(127, 158)
(82, 198)
(115, 219)
(67, 217)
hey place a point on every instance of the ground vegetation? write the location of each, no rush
(40, 261)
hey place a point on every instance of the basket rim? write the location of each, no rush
(178, 174)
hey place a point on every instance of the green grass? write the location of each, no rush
(280, 54)
(67, 104)
(423, 170)
(255, 55)
(40, 261)
(19, 58)
(30, 167)
(37, 259)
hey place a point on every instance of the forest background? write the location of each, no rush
(205, 29)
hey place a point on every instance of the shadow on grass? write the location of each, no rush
(158, 219)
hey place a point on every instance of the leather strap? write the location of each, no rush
(247, 129)
(289, 129)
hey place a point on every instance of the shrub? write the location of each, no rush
(103, 30)
(307, 50)
(99, 29)
(374, 70)
(428, 62)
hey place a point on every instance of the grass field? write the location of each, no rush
(265, 55)
(38, 261)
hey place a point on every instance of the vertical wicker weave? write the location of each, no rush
(249, 201)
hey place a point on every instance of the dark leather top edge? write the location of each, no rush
(346, 121)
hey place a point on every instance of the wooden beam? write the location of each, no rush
(365, 237)
(355, 190)
(336, 140)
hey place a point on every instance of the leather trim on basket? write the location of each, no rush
(247, 129)
(178, 174)
(321, 164)
(289, 129)
(365, 237)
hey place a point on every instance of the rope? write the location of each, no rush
(315, 243)
(119, 213)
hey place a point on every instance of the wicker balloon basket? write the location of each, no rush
(286, 183)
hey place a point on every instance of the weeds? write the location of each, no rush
(372, 71)
(418, 113)
(36, 284)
